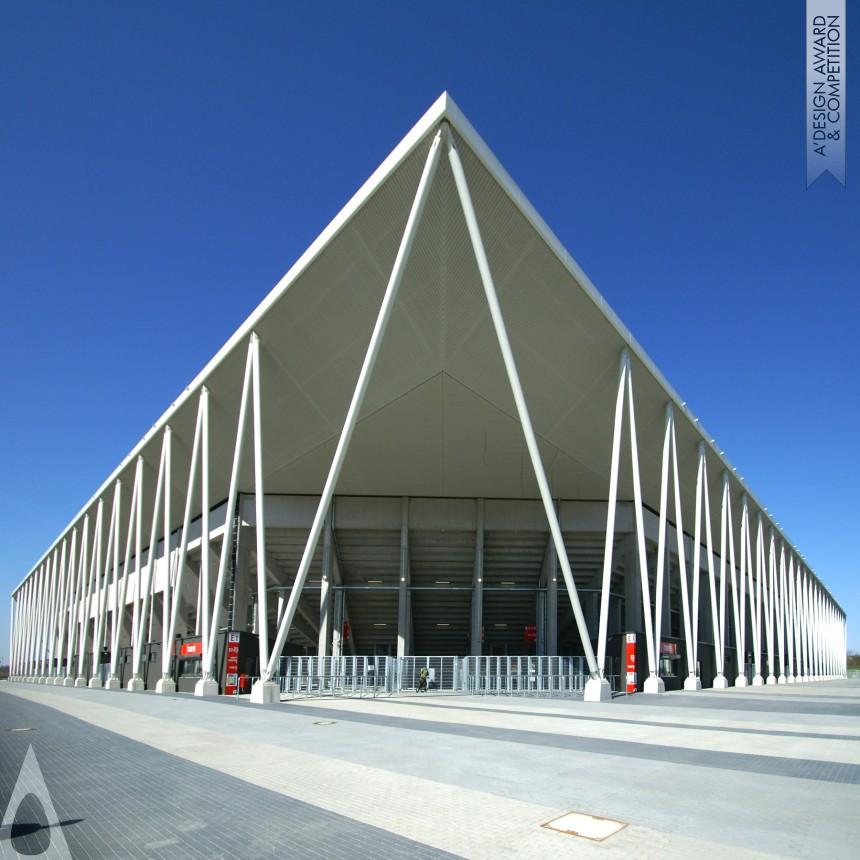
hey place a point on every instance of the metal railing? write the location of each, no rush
(535, 676)
(384, 676)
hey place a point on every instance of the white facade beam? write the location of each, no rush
(355, 405)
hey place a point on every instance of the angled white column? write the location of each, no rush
(208, 686)
(87, 567)
(770, 620)
(611, 506)
(737, 580)
(121, 588)
(63, 609)
(357, 399)
(260, 692)
(597, 688)
(170, 608)
(781, 618)
(103, 585)
(791, 630)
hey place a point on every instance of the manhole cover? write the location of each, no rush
(28, 729)
(325, 723)
(588, 826)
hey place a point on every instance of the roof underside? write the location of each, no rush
(439, 418)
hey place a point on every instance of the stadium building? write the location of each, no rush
(433, 444)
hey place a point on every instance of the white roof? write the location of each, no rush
(439, 418)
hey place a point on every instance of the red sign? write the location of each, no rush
(531, 633)
(346, 630)
(232, 664)
(191, 649)
(668, 647)
(630, 661)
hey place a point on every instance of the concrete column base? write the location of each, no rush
(758, 681)
(135, 685)
(782, 679)
(112, 683)
(43, 680)
(789, 679)
(68, 681)
(165, 685)
(654, 685)
(95, 683)
(597, 690)
(741, 681)
(771, 679)
(206, 687)
(806, 679)
(267, 693)
(720, 683)
(58, 681)
(81, 682)
(692, 683)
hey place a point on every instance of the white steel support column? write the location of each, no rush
(121, 591)
(259, 499)
(204, 578)
(597, 688)
(760, 575)
(804, 629)
(208, 686)
(56, 608)
(754, 599)
(50, 619)
(653, 683)
(21, 615)
(86, 570)
(35, 622)
(32, 624)
(610, 512)
(703, 500)
(74, 607)
(14, 617)
(771, 599)
(143, 589)
(43, 619)
(738, 594)
(357, 399)
(692, 681)
(171, 609)
(44, 596)
(66, 567)
(791, 627)
(781, 618)
(102, 590)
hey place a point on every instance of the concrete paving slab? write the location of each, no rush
(768, 771)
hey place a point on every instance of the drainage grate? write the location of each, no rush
(588, 826)
(28, 729)
(325, 723)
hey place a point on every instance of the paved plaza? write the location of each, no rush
(755, 772)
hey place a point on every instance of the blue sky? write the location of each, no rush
(163, 164)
